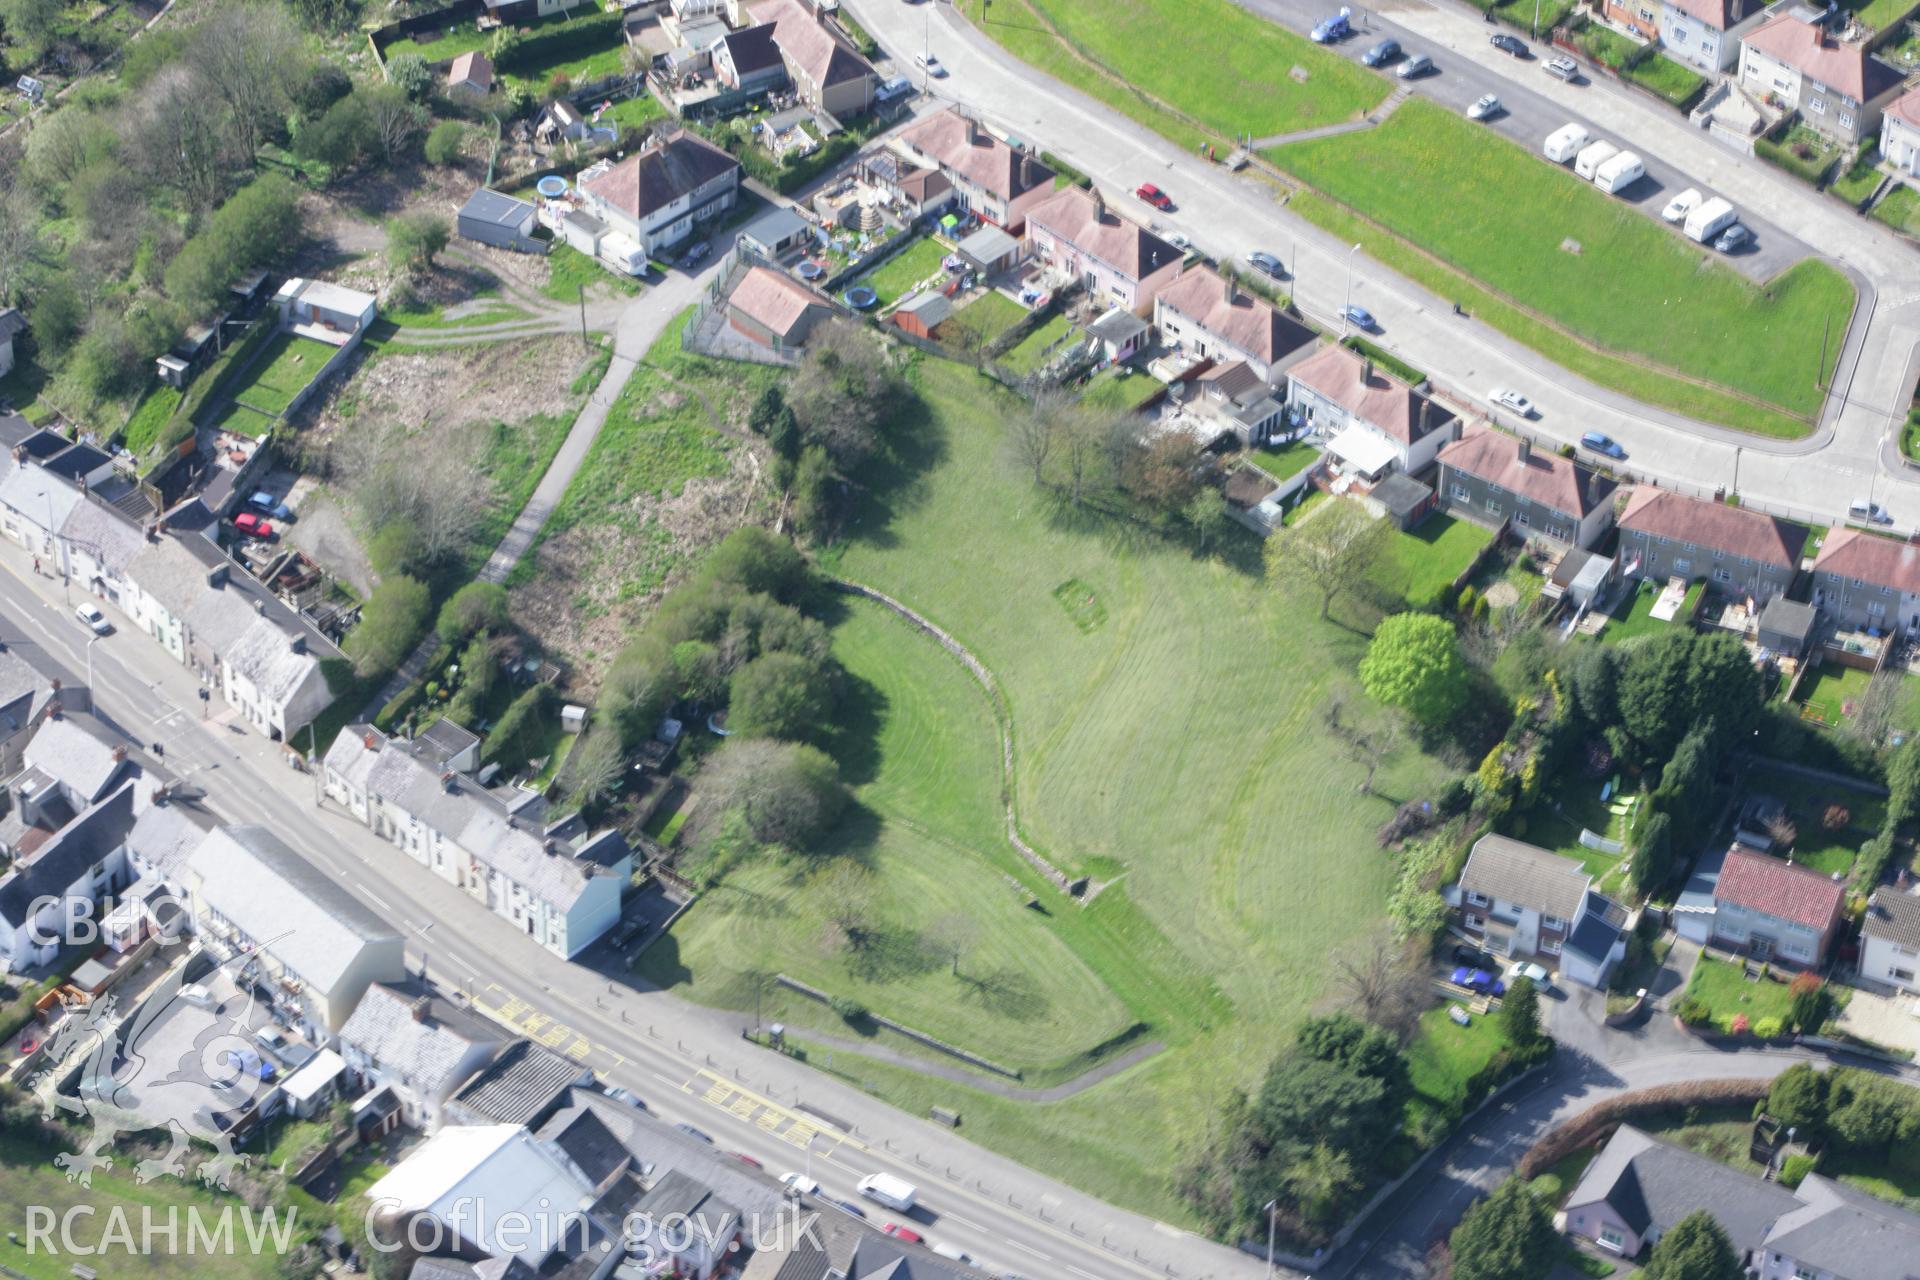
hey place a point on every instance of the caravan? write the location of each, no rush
(1564, 143)
(1592, 156)
(1619, 173)
(1708, 220)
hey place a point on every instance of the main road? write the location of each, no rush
(1228, 214)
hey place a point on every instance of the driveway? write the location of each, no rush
(1884, 1018)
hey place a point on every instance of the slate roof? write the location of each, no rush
(1598, 928)
(268, 657)
(808, 45)
(1788, 617)
(430, 1052)
(1525, 875)
(1738, 531)
(11, 323)
(30, 490)
(980, 158)
(165, 836)
(1778, 888)
(752, 49)
(1400, 493)
(55, 865)
(779, 223)
(85, 764)
(301, 915)
(489, 206)
(1252, 324)
(1884, 562)
(578, 1130)
(1083, 220)
(672, 166)
(1371, 394)
(1893, 914)
(1842, 1231)
(105, 533)
(1651, 1185)
(1546, 478)
(521, 1086)
(1806, 47)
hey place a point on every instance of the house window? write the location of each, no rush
(1876, 608)
(1474, 921)
(1558, 531)
(1552, 922)
(1460, 493)
(1551, 946)
(1901, 975)
(1682, 565)
(1611, 1237)
(1846, 120)
(1646, 16)
(1721, 575)
(1719, 555)
(1493, 507)
(1521, 518)
(1476, 899)
(1817, 105)
(1805, 1273)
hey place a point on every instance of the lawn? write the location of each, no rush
(899, 275)
(1801, 151)
(1119, 390)
(1724, 988)
(1633, 616)
(1032, 351)
(1157, 775)
(1563, 812)
(988, 316)
(150, 418)
(1284, 461)
(1808, 802)
(243, 421)
(1859, 180)
(1660, 74)
(1444, 1056)
(280, 373)
(1140, 58)
(1423, 562)
(1828, 694)
(1636, 308)
(1900, 209)
(1878, 15)
(1725, 1134)
(569, 271)
(633, 112)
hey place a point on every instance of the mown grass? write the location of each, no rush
(1285, 461)
(1830, 691)
(569, 271)
(1724, 989)
(282, 372)
(1900, 209)
(1423, 562)
(1443, 1056)
(1660, 319)
(150, 418)
(893, 279)
(986, 317)
(1028, 354)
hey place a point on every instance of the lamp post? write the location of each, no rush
(1349, 307)
(1273, 1208)
(90, 644)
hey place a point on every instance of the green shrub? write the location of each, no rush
(1693, 1011)
(518, 733)
(1768, 1028)
(850, 1011)
(1795, 1169)
(512, 51)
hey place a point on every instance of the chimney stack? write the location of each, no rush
(1526, 449)
(973, 131)
(1366, 371)
(299, 643)
(1226, 288)
(1099, 206)
(120, 753)
(419, 1008)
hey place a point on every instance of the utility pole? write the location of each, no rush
(1820, 370)
(1349, 307)
(1736, 469)
(583, 312)
(313, 767)
(1273, 1208)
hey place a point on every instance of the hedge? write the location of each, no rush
(1586, 1129)
(1392, 364)
(512, 51)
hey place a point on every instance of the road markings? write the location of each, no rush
(763, 1113)
(1027, 1248)
(954, 1217)
(378, 900)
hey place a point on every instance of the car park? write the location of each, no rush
(1154, 196)
(800, 1184)
(1416, 66)
(1485, 107)
(1600, 442)
(1681, 205)
(1563, 68)
(1381, 54)
(1361, 318)
(1734, 238)
(96, 621)
(1266, 263)
(1335, 27)
(1512, 46)
(906, 1235)
(1507, 398)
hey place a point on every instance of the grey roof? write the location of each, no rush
(430, 1051)
(77, 759)
(103, 532)
(37, 496)
(1893, 914)
(1117, 326)
(23, 690)
(14, 428)
(988, 244)
(1400, 493)
(1651, 1185)
(446, 739)
(1526, 875)
(578, 1130)
(1788, 617)
(11, 322)
(752, 49)
(277, 663)
(677, 1195)
(521, 1086)
(1844, 1232)
(54, 867)
(171, 574)
(299, 914)
(165, 836)
(489, 206)
(776, 224)
(931, 307)
(1598, 929)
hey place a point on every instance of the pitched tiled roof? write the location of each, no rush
(774, 299)
(1715, 525)
(967, 149)
(1885, 562)
(1371, 394)
(1809, 49)
(1718, 14)
(1778, 888)
(808, 45)
(475, 67)
(656, 176)
(1843, 1231)
(1526, 875)
(1084, 221)
(1546, 478)
(1651, 1185)
(1906, 108)
(1254, 325)
(1893, 914)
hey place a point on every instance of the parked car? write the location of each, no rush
(96, 621)
(848, 1206)
(1361, 318)
(1734, 238)
(800, 1184)
(1478, 980)
(697, 254)
(1562, 68)
(1512, 46)
(1601, 442)
(253, 526)
(1333, 28)
(1681, 205)
(1415, 67)
(1872, 512)
(1381, 54)
(1154, 196)
(930, 63)
(1536, 974)
(1178, 239)
(1507, 398)
(692, 1132)
(748, 1160)
(906, 1235)
(1266, 263)
(953, 1253)
(621, 936)
(268, 505)
(627, 1097)
(1472, 957)
(1485, 107)
(196, 995)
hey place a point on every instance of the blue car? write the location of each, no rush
(1599, 442)
(1361, 318)
(1334, 28)
(1478, 980)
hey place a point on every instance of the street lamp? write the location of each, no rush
(1349, 307)
(90, 644)
(1273, 1208)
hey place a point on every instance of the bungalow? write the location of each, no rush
(12, 325)
(1899, 141)
(1695, 32)
(774, 310)
(1494, 476)
(1204, 312)
(403, 1038)
(827, 74)
(1669, 535)
(471, 75)
(1375, 420)
(1864, 580)
(657, 196)
(1838, 87)
(1121, 262)
(1518, 899)
(990, 176)
(1775, 910)
(1890, 938)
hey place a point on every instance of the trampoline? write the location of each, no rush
(552, 186)
(860, 297)
(811, 270)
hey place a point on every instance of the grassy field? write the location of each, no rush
(144, 427)
(1725, 990)
(1444, 1056)
(1423, 562)
(1119, 390)
(1153, 46)
(1641, 309)
(899, 275)
(569, 270)
(280, 373)
(1212, 924)
(1030, 352)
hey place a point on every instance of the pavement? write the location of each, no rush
(691, 1064)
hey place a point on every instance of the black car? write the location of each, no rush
(1507, 44)
(848, 1206)
(692, 1132)
(1381, 54)
(696, 254)
(621, 936)
(1472, 957)
(1266, 263)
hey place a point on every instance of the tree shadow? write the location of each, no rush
(893, 481)
(854, 738)
(1011, 993)
(891, 953)
(854, 838)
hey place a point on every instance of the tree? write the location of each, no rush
(953, 935)
(445, 143)
(341, 136)
(1414, 663)
(1652, 861)
(1380, 983)
(174, 141)
(767, 406)
(843, 391)
(1207, 515)
(813, 490)
(849, 891)
(1507, 1236)
(788, 792)
(1520, 1014)
(1328, 554)
(595, 768)
(1035, 428)
(246, 54)
(1695, 1248)
(409, 71)
(390, 624)
(19, 240)
(477, 606)
(1165, 473)
(1653, 699)
(1809, 1007)
(395, 120)
(32, 25)
(780, 695)
(413, 239)
(521, 729)
(1798, 1098)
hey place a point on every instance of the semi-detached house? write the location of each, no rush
(1669, 535)
(654, 198)
(1517, 899)
(1890, 937)
(1900, 132)
(1375, 421)
(1204, 313)
(1863, 580)
(827, 74)
(1696, 32)
(1493, 476)
(1837, 86)
(558, 883)
(1121, 263)
(989, 176)
(1775, 910)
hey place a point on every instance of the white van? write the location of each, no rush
(1705, 221)
(1564, 143)
(1619, 173)
(895, 1193)
(1592, 156)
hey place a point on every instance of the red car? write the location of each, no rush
(1153, 196)
(906, 1235)
(252, 525)
(744, 1158)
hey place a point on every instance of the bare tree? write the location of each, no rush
(397, 120)
(1780, 827)
(1037, 428)
(595, 767)
(848, 889)
(1380, 982)
(953, 935)
(19, 240)
(1873, 716)
(246, 53)
(1329, 554)
(440, 492)
(175, 141)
